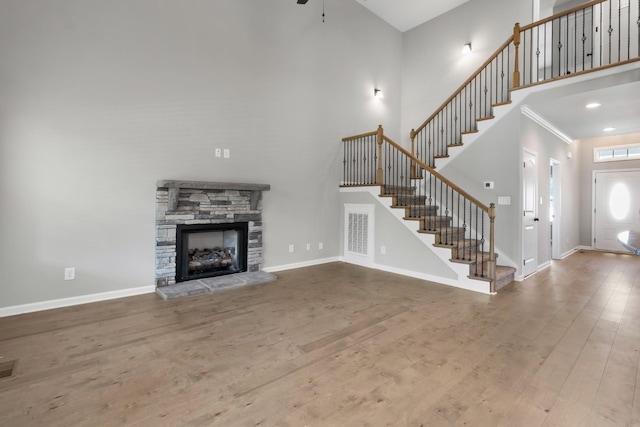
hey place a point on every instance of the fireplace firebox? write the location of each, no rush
(208, 250)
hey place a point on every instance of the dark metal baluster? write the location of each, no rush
(482, 263)
(476, 254)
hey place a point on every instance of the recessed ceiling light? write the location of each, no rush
(593, 105)
(608, 129)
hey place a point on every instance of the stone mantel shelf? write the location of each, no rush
(174, 187)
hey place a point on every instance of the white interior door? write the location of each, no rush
(555, 211)
(617, 207)
(530, 213)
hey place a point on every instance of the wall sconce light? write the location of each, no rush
(377, 93)
(569, 154)
(466, 49)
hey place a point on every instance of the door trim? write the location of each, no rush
(556, 237)
(536, 204)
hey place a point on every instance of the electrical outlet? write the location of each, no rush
(70, 273)
(227, 153)
(218, 152)
(320, 246)
(291, 248)
(308, 246)
(383, 250)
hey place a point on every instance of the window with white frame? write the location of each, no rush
(616, 153)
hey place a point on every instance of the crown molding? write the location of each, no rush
(527, 111)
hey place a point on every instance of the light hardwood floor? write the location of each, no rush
(340, 345)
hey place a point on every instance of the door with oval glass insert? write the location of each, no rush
(617, 207)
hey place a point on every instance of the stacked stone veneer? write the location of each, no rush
(196, 202)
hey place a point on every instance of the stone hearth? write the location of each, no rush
(198, 202)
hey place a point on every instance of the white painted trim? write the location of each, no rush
(544, 265)
(481, 286)
(571, 252)
(527, 111)
(301, 264)
(67, 302)
(557, 203)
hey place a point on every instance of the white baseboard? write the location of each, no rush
(544, 265)
(469, 285)
(572, 251)
(301, 264)
(66, 302)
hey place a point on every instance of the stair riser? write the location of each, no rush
(433, 223)
(479, 268)
(421, 211)
(464, 252)
(394, 190)
(408, 200)
(504, 281)
(449, 237)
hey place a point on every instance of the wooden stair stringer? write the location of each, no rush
(499, 111)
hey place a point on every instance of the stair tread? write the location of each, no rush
(480, 119)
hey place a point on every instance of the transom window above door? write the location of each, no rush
(614, 154)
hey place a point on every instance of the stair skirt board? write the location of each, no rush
(469, 284)
(444, 253)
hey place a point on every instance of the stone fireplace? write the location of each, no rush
(207, 231)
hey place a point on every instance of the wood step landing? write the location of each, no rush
(504, 276)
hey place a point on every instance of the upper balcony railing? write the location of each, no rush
(589, 37)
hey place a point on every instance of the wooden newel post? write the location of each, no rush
(492, 254)
(516, 67)
(379, 140)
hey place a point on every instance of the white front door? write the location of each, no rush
(530, 213)
(617, 207)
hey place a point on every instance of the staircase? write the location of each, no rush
(463, 250)
(541, 52)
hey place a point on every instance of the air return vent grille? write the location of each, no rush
(358, 239)
(358, 233)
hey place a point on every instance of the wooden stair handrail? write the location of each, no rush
(517, 29)
(438, 175)
(462, 86)
(362, 135)
(422, 164)
(561, 14)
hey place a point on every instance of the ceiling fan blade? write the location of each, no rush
(302, 1)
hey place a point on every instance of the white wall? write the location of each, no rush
(403, 250)
(548, 146)
(100, 99)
